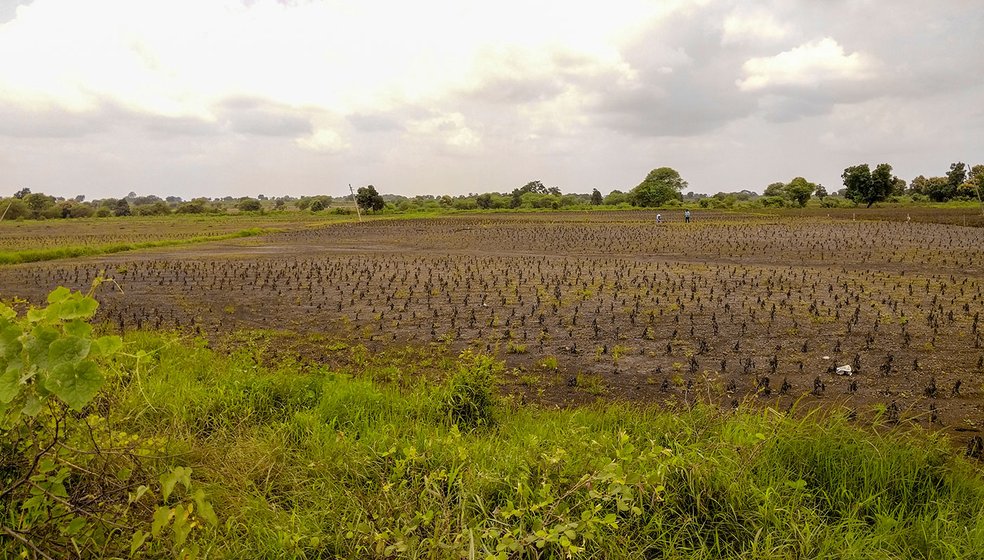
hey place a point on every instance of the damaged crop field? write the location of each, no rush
(662, 390)
(585, 306)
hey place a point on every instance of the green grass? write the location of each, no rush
(304, 462)
(64, 252)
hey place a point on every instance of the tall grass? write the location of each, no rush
(303, 462)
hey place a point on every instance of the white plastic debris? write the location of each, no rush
(826, 357)
(845, 370)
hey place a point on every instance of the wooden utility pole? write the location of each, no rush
(9, 204)
(357, 211)
(979, 199)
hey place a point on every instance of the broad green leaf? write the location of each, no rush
(10, 344)
(6, 312)
(75, 383)
(182, 525)
(83, 308)
(107, 345)
(168, 481)
(139, 537)
(37, 345)
(162, 516)
(10, 384)
(78, 328)
(33, 405)
(69, 349)
(75, 526)
(34, 315)
(59, 295)
(205, 509)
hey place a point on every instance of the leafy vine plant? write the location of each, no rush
(73, 484)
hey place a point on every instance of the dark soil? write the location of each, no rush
(727, 309)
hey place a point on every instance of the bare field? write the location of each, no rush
(583, 306)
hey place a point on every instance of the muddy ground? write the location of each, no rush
(582, 306)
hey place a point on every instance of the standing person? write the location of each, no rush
(686, 215)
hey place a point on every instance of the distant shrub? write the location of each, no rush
(249, 205)
(193, 207)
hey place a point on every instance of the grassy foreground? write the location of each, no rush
(302, 462)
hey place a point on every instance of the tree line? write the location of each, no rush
(661, 187)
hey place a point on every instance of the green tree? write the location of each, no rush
(516, 199)
(799, 190)
(775, 189)
(368, 199)
(939, 189)
(15, 208)
(883, 183)
(533, 187)
(863, 185)
(596, 198)
(616, 197)
(957, 175)
(977, 176)
(38, 203)
(22, 193)
(484, 201)
(660, 186)
(821, 192)
(122, 208)
(857, 181)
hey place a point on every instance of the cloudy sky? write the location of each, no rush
(239, 97)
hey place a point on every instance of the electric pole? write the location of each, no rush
(357, 211)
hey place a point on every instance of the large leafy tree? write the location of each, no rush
(38, 203)
(368, 199)
(956, 176)
(799, 190)
(659, 187)
(882, 182)
(939, 189)
(869, 187)
(774, 189)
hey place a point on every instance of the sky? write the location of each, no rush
(239, 98)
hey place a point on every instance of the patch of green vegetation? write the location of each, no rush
(66, 252)
(295, 459)
(305, 462)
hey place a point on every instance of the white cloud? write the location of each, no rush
(323, 140)
(809, 65)
(759, 26)
(180, 58)
(450, 129)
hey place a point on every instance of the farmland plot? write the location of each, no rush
(604, 305)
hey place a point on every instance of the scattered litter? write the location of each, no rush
(826, 357)
(845, 370)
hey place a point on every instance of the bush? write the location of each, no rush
(249, 205)
(469, 401)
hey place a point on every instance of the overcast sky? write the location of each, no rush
(215, 98)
